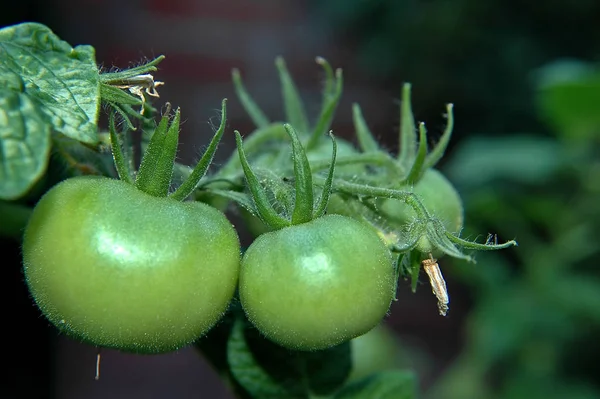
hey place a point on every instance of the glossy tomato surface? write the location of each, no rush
(116, 267)
(317, 284)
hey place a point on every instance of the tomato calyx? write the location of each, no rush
(298, 205)
(155, 173)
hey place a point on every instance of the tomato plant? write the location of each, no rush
(124, 259)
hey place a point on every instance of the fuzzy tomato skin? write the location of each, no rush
(115, 267)
(315, 285)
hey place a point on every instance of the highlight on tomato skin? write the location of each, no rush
(115, 267)
(315, 285)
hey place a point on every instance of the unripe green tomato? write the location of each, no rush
(317, 284)
(440, 198)
(115, 267)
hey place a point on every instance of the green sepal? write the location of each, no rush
(253, 145)
(265, 210)
(241, 199)
(408, 131)
(489, 245)
(124, 113)
(417, 168)
(256, 114)
(190, 184)
(163, 172)
(121, 164)
(440, 148)
(366, 140)
(328, 88)
(294, 107)
(321, 206)
(146, 171)
(111, 94)
(116, 78)
(330, 102)
(414, 262)
(303, 206)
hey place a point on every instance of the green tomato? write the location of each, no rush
(116, 267)
(318, 284)
(440, 198)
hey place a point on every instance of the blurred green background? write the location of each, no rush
(525, 80)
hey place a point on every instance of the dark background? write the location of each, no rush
(481, 56)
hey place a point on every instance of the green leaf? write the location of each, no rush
(568, 98)
(396, 384)
(523, 158)
(61, 80)
(24, 144)
(267, 370)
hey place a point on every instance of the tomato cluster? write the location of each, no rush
(130, 264)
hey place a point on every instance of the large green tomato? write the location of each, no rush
(317, 284)
(116, 267)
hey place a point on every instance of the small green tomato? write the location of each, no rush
(317, 284)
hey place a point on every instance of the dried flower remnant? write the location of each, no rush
(438, 284)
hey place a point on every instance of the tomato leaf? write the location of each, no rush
(24, 144)
(61, 80)
(267, 370)
(396, 384)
